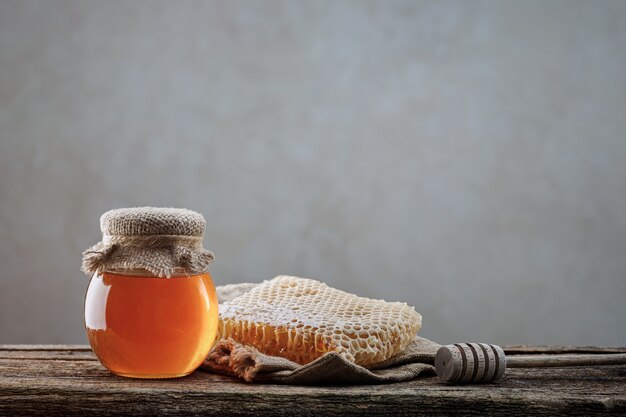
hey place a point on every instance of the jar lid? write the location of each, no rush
(162, 241)
(152, 221)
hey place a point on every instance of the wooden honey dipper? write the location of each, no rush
(464, 363)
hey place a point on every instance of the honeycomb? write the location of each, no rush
(301, 319)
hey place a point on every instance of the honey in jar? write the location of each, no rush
(151, 307)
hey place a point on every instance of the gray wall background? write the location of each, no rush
(466, 157)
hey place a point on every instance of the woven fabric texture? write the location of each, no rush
(231, 358)
(162, 242)
(152, 221)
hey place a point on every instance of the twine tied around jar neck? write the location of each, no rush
(154, 241)
(165, 242)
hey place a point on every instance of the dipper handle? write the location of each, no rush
(464, 363)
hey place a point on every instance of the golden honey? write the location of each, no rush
(151, 327)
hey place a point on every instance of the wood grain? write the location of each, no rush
(55, 380)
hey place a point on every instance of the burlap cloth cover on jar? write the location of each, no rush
(245, 362)
(161, 242)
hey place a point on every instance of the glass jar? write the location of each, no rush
(151, 327)
(151, 309)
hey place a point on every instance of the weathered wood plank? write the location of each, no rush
(509, 349)
(44, 347)
(527, 349)
(47, 352)
(83, 352)
(55, 380)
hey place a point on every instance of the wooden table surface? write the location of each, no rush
(68, 380)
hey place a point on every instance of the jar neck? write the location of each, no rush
(138, 272)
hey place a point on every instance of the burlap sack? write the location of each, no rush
(231, 358)
(158, 241)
